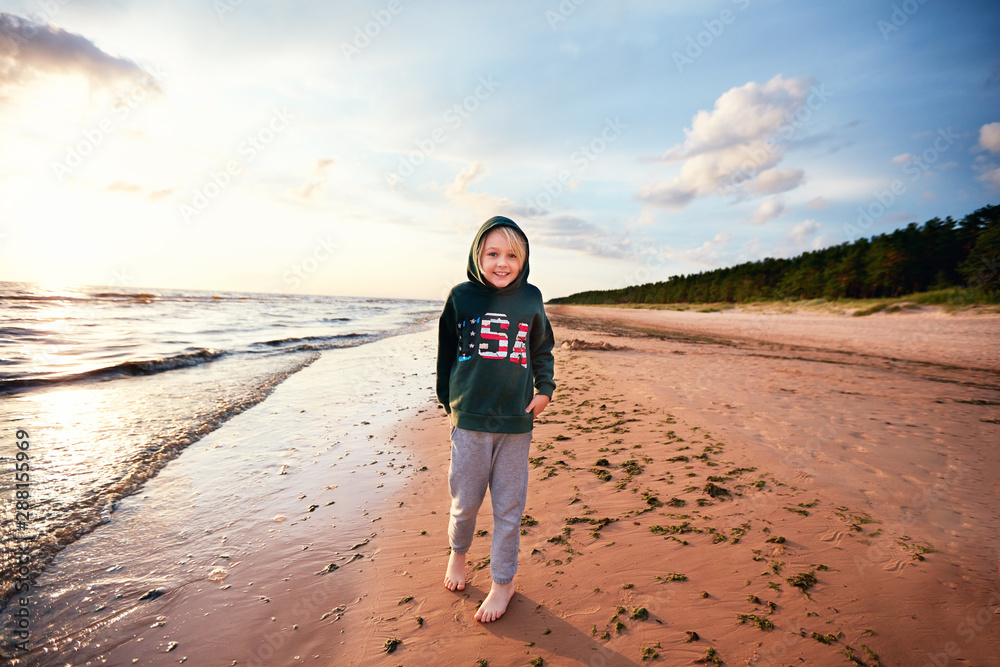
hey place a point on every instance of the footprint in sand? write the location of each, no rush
(833, 536)
(458, 611)
(585, 612)
(896, 566)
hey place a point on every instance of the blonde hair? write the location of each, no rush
(514, 238)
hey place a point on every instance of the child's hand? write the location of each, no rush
(538, 403)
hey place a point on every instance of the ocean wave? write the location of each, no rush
(21, 332)
(139, 296)
(187, 358)
(67, 508)
(313, 342)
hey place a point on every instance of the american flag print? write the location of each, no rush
(519, 354)
(467, 334)
(488, 334)
(490, 337)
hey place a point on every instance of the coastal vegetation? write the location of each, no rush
(941, 262)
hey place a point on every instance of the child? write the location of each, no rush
(494, 351)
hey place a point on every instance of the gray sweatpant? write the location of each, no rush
(498, 461)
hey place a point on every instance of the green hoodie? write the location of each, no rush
(494, 349)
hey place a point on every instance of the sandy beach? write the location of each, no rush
(715, 488)
(704, 490)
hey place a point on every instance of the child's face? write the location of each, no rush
(499, 263)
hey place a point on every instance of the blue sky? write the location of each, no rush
(354, 147)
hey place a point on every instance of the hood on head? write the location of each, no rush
(473, 273)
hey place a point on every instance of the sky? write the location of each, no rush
(354, 148)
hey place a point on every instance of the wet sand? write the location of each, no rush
(767, 497)
(216, 560)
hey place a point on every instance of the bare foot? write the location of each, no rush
(496, 602)
(454, 578)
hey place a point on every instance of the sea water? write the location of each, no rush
(101, 387)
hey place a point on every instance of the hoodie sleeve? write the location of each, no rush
(447, 351)
(542, 361)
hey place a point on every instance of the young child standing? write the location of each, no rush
(494, 376)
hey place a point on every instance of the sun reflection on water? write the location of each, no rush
(97, 441)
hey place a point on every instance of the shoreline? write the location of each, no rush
(692, 478)
(218, 558)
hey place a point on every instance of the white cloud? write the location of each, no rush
(817, 203)
(902, 158)
(735, 144)
(709, 251)
(568, 232)
(482, 204)
(460, 186)
(989, 140)
(769, 210)
(800, 232)
(710, 254)
(989, 137)
(122, 186)
(992, 177)
(317, 180)
(151, 194)
(774, 180)
(745, 114)
(563, 231)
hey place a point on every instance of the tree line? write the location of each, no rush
(938, 254)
